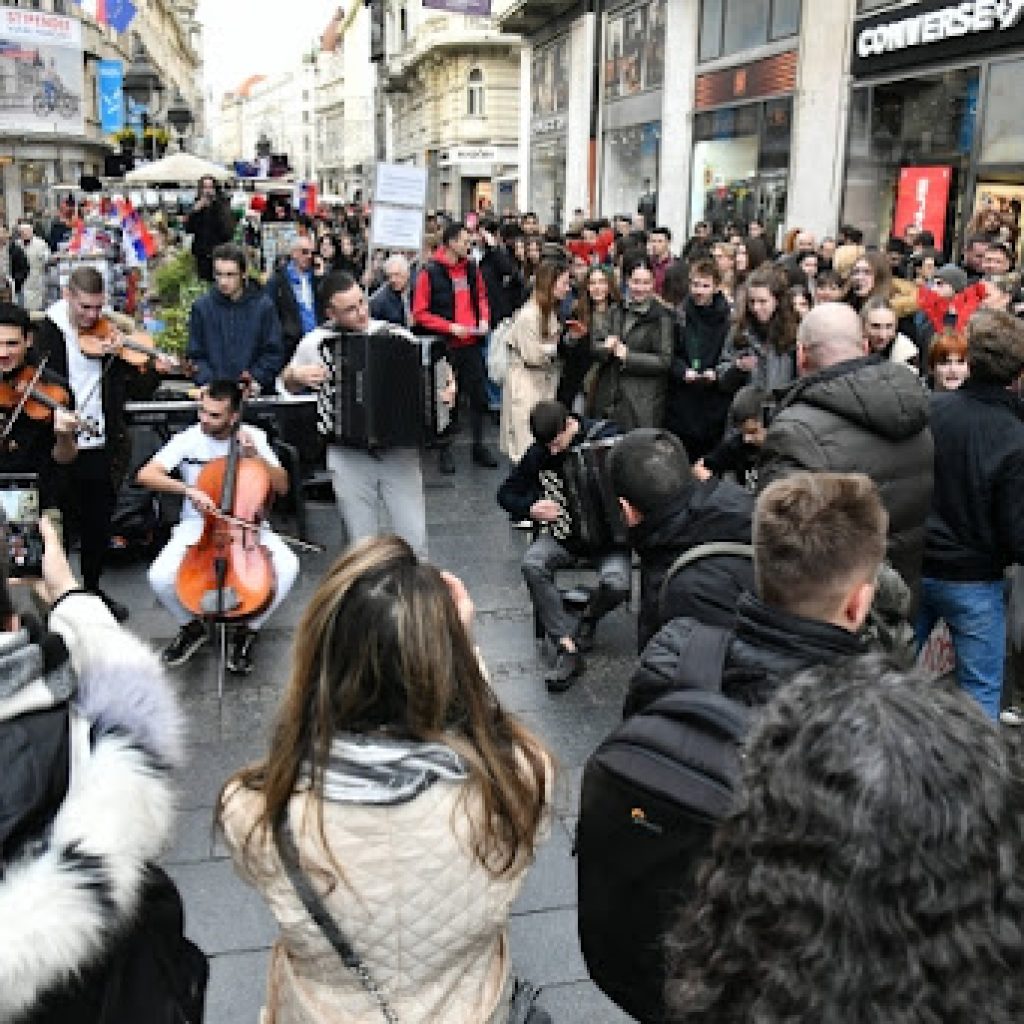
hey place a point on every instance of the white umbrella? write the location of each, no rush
(178, 167)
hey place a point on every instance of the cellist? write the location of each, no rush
(30, 445)
(187, 453)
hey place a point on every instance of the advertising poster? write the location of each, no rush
(635, 51)
(110, 79)
(550, 74)
(41, 73)
(997, 206)
(921, 200)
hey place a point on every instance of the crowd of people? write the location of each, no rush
(813, 455)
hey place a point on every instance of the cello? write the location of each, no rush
(227, 575)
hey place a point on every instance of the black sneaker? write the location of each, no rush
(446, 461)
(189, 639)
(118, 610)
(483, 456)
(240, 657)
(568, 665)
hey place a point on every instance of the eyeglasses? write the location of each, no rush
(860, 271)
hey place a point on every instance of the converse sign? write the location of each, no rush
(947, 23)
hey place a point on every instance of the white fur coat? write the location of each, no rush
(61, 902)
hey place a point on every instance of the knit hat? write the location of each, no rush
(953, 276)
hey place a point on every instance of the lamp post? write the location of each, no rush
(142, 84)
(179, 117)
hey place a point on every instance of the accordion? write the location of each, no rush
(382, 390)
(591, 519)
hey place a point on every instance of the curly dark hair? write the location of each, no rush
(872, 868)
(782, 327)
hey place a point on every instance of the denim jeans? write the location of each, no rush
(493, 390)
(976, 616)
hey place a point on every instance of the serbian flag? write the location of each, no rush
(135, 231)
(118, 14)
(77, 235)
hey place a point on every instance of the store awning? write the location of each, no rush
(527, 16)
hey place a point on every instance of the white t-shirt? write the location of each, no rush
(83, 375)
(189, 451)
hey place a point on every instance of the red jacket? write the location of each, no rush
(964, 304)
(422, 305)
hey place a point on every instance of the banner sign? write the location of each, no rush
(921, 200)
(460, 6)
(110, 77)
(41, 73)
(935, 30)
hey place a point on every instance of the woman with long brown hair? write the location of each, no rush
(399, 790)
(532, 375)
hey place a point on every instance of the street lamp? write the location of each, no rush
(142, 83)
(179, 117)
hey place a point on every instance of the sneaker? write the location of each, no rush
(240, 657)
(1012, 715)
(118, 610)
(568, 665)
(446, 461)
(189, 639)
(483, 456)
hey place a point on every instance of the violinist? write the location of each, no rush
(187, 453)
(31, 444)
(100, 386)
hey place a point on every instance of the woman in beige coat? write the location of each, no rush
(409, 800)
(532, 360)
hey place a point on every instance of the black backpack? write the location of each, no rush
(652, 794)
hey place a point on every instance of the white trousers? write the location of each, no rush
(359, 478)
(163, 573)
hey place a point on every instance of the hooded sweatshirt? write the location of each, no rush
(425, 312)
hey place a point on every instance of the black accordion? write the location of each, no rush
(382, 390)
(591, 519)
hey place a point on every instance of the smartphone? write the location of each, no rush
(19, 499)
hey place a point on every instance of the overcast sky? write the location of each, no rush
(258, 37)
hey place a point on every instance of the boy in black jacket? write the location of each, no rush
(522, 495)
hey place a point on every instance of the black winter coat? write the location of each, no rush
(503, 280)
(768, 645)
(862, 416)
(975, 527)
(712, 511)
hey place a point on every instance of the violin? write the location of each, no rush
(227, 575)
(136, 349)
(39, 400)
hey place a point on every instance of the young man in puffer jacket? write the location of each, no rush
(89, 732)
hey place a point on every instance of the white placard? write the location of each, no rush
(396, 227)
(400, 185)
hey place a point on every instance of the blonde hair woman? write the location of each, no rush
(400, 791)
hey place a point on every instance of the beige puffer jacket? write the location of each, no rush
(427, 919)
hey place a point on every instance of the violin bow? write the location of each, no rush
(26, 394)
(297, 542)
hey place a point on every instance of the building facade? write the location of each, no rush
(732, 127)
(935, 135)
(451, 88)
(280, 109)
(50, 124)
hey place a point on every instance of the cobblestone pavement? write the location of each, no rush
(469, 535)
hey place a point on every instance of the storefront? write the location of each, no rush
(473, 178)
(634, 76)
(741, 149)
(550, 74)
(936, 136)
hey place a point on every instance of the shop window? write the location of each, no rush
(549, 73)
(631, 159)
(731, 26)
(1002, 138)
(635, 50)
(475, 94)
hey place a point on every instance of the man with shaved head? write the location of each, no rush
(853, 412)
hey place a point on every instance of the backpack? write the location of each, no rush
(652, 794)
(497, 351)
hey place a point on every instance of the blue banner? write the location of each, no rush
(111, 78)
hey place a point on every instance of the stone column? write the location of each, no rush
(821, 108)
(681, 33)
(525, 139)
(577, 117)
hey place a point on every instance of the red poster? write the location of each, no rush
(921, 200)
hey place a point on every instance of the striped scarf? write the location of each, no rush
(383, 771)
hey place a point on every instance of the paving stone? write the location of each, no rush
(581, 1003)
(237, 987)
(545, 948)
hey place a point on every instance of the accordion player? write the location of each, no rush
(383, 389)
